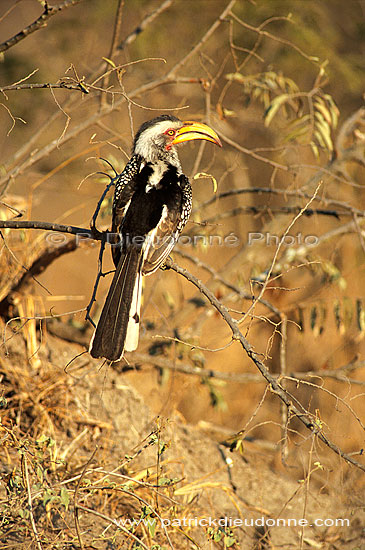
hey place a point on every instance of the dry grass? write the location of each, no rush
(70, 476)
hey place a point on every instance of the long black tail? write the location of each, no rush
(118, 325)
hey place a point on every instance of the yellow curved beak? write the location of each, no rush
(196, 130)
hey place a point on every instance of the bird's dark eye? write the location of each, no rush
(170, 132)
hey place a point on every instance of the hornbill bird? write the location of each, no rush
(152, 203)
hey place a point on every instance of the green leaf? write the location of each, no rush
(164, 481)
(300, 121)
(229, 541)
(360, 315)
(151, 526)
(65, 497)
(48, 497)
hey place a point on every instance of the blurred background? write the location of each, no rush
(282, 84)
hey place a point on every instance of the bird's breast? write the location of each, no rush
(155, 174)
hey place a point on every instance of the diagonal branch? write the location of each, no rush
(58, 142)
(216, 276)
(251, 153)
(147, 20)
(39, 23)
(309, 421)
(203, 40)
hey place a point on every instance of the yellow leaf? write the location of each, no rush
(324, 129)
(320, 106)
(315, 150)
(274, 107)
(203, 175)
(319, 138)
(110, 62)
(296, 133)
(333, 109)
(236, 76)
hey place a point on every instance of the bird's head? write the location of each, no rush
(156, 138)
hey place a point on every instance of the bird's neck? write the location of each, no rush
(161, 157)
(166, 159)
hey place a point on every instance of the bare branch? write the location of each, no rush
(339, 374)
(285, 193)
(267, 34)
(216, 276)
(252, 153)
(228, 214)
(36, 267)
(113, 47)
(39, 23)
(92, 119)
(276, 254)
(35, 85)
(204, 39)
(306, 418)
(49, 226)
(147, 20)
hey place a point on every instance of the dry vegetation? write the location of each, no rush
(245, 398)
